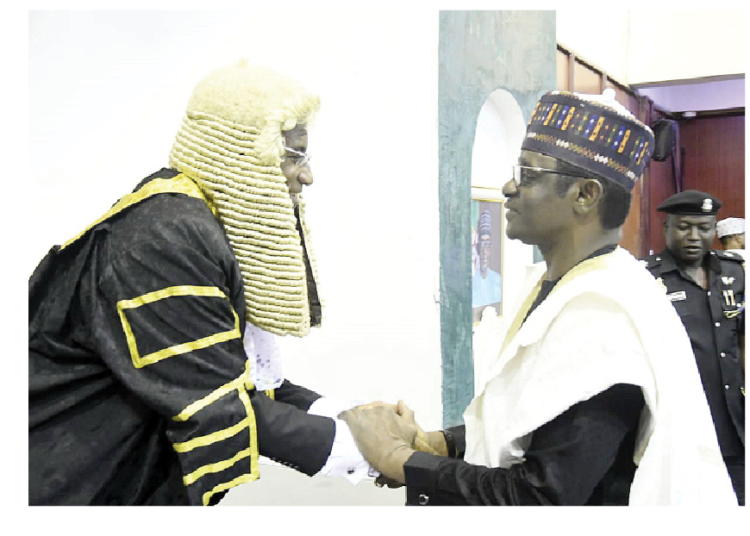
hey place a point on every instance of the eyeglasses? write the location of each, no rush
(526, 175)
(298, 158)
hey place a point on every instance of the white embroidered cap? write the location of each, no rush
(730, 226)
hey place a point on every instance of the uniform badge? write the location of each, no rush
(707, 205)
(729, 297)
(677, 296)
(735, 313)
(727, 280)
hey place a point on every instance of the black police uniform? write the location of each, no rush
(713, 318)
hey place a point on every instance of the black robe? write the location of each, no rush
(136, 363)
(582, 457)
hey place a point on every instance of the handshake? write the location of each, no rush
(387, 435)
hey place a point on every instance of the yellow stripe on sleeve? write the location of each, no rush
(253, 432)
(180, 184)
(210, 439)
(215, 467)
(247, 477)
(252, 451)
(239, 384)
(170, 292)
(212, 397)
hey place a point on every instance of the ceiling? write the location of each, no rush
(719, 93)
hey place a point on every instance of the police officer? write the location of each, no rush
(707, 288)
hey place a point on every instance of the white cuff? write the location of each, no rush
(345, 459)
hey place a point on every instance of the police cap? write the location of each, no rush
(692, 203)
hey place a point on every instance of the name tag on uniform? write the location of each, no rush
(677, 296)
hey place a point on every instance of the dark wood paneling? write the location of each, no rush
(632, 103)
(660, 186)
(585, 80)
(563, 62)
(631, 229)
(715, 161)
(621, 96)
(714, 158)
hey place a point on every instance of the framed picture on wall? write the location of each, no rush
(488, 238)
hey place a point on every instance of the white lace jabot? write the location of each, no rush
(265, 358)
(345, 459)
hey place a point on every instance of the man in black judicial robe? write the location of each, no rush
(141, 390)
(110, 417)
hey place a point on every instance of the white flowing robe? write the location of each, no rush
(607, 321)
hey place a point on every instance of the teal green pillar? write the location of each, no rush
(479, 52)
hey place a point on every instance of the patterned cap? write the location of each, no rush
(691, 203)
(730, 226)
(593, 132)
(485, 223)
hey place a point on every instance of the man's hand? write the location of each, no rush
(430, 442)
(436, 440)
(383, 436)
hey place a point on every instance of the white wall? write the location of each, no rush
(107, 91)
(652, 45)
(597, 35)
(680, 44)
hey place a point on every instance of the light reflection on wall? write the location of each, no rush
(497, 144)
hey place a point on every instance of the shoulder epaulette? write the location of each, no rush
(652, 261)
(728, 256)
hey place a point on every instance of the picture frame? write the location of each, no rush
(488, 244)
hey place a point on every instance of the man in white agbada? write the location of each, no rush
(591, 395)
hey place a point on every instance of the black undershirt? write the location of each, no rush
(547, 286)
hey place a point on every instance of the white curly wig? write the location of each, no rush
(231, 143)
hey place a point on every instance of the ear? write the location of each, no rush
(588, 196)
